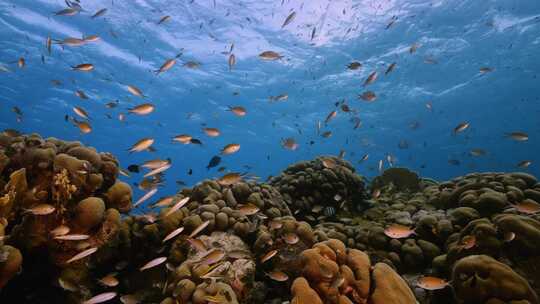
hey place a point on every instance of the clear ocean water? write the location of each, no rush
(467, 63)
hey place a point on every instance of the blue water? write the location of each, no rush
(454, 39)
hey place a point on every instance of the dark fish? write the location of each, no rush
(195, 141)
(214, 161)
(99, 13)
(221, 169)
(329, 211)
(190, 171)
(289, 19)
(133, 168)
(391, 67)
(354, 65)
(180, 183)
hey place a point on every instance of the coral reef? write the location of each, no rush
(312, 235)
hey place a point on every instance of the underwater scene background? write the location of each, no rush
(358, 135)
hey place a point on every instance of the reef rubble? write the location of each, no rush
(317, 233)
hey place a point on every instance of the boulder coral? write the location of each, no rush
(482, 279)
(321, 188)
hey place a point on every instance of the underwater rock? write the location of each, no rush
(482, 279)
(326, 187)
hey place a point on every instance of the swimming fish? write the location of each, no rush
(84, 67)
(109, 280)
(82, 255)
(142, 109)
(183, 138)
(230, 149)
(270, 55)
(164, 19)
(527, 206)
(397, 231)
(354, 65)
(524, 164)
(229, 179)
(289, 19)
(72, 237)
(100, 298)
(167, 65)
(391, 67)
(81, 112)
(461, 127)
(153, 263)
(135, 91)
(270, 254)
(99, 13)
(181, 203)
(214, 162)
(174, 233)
(141, 145)
(238, 111)
(158, 170)
(231, 61)
(146, 196)
(290, 143)
(330, 116)
(431, 283)
(368, 96)
(371, 78)
(212, 132)
(518, 136)
(278, 276)
(199, 228)
(41, 209)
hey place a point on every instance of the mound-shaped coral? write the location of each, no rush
(321, 188)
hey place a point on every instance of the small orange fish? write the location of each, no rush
(527, 206)
(397, 231)
(270, 55)
(468, 241)
(270, 254)
(330, 116)
(461, 127)
(164, 19)
(167, 65)
(212, 132)
(142, 144)
(142, 109)
(84, 67)
(41, 209)
(21, 62)
(431, 283)
(328, 163)
(291, 238)
(83, 126)
(229, 179)
(278, 276)
(368, 96)
(230, 149)
(290, 144)
(109, 280)
(81, 112)
(60, 230)
(238, 111)
(183, 138)
(135, 91)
